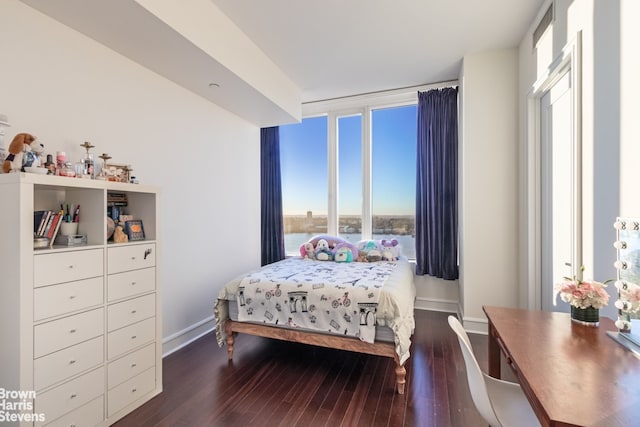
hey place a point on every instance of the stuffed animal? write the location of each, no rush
(32, 154)
(119, 236)
(322, 252)
(307, 251)
(345, 252)
(369, 251)
(21, 143)
(390, 250)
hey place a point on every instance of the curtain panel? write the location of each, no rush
(437, 184)
(272, 229)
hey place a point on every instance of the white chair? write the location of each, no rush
(501, 403)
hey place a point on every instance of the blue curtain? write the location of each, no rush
(272, 230)
(437, 184)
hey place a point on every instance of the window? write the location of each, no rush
(351, 174)
(303, 163)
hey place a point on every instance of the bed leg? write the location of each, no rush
(401, 374)
(230, 339)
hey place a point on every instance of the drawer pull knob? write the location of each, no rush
(133, 258)
(133, 365)
(133, 283)
(71, 266)
(134, 390)
(134, 337)
(133, 311)
(71, 362)
(72, 296)
(73, 396)
(72, 331)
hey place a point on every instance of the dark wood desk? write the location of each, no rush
(573, 375)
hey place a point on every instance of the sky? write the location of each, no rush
(303, 152)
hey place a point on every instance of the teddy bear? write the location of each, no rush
(21, 143)
(390, 250)
(323, 252)
(119, 235)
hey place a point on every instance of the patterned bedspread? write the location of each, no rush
(324, 296)
(339, 298)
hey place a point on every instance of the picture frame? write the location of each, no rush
(134, 230)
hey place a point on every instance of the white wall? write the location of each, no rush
(610, 129)
(488, 184)
(67, 89)
(629, 95)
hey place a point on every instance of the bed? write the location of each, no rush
(365, 307)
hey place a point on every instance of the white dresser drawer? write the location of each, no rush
(130, 311)
(58, 334)
(131, 390)
(70, 395)
(131, 283)
(49, 301)
(52, 268)
(88, 415)
(131, 365)
(132, 257)
(48, 370)
(130, 337)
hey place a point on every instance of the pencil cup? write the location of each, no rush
(69, 228)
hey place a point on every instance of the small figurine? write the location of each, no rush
(119, 236)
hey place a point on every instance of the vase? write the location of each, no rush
(586, 316)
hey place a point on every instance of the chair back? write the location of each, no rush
(475, 377)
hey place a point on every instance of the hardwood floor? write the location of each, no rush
(275, 383)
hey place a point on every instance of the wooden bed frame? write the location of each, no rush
(386, 349)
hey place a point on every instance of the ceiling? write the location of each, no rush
(335, 48)
(268, 57)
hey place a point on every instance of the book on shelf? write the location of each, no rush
(45, 231)
(116, 199)
(56, 229)
(39, 218)
(46, 223)
(55, 224)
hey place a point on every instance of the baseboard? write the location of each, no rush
(182, 338)
(432, 304)
(475, 325)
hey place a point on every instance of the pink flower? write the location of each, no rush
(583, 294)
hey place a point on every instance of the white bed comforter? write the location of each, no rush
(394, 299)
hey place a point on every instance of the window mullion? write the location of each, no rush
(332, 165)
(367, 208)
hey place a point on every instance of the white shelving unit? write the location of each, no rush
(80, 326)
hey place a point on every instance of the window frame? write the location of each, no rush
(362, 105)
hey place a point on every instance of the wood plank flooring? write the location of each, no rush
(275, 383)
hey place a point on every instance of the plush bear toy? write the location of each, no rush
(21, 143)
(119, 235)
